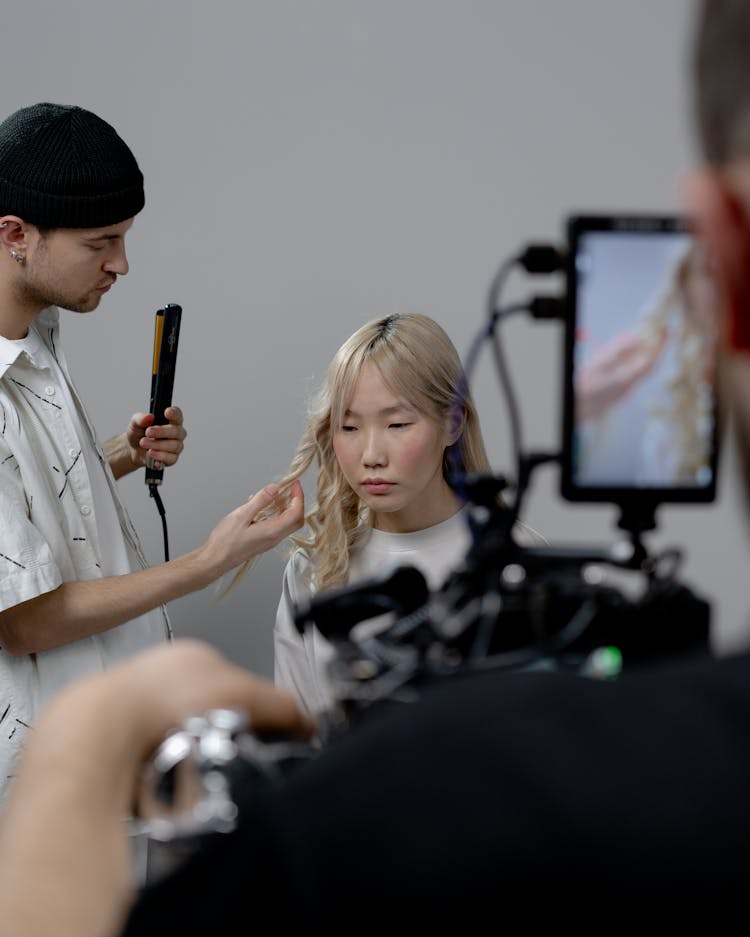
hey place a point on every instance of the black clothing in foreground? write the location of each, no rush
(542, 793)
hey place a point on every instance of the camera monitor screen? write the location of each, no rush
(640, 410)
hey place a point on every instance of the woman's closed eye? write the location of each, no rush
(349, 428)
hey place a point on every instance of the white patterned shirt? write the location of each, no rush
(61, 520)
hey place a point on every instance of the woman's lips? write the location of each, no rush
(378, 487)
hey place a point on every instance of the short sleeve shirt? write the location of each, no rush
(61, 521)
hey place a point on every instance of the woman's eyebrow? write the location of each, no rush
(386, 411)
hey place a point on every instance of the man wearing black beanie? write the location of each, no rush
(64, 167)
(75, 592)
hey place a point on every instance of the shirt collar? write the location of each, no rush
(46, 321)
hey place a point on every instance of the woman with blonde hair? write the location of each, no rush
(391, 419)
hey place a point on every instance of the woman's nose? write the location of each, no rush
(374, 451)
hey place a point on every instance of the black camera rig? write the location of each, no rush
(509, 606)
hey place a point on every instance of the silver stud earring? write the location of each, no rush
(19, 258)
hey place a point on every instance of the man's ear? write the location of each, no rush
(723, 224)
(13, 234)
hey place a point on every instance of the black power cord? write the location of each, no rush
(153, 491)
(534, 259)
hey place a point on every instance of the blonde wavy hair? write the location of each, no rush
(418, 361)
(688, 411)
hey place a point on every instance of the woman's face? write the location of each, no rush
(392, 456)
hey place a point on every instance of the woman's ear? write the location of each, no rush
(722, 222)
(456, 422)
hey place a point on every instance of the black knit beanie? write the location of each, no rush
(63, 167)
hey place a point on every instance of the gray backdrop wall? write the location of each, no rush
(310, 165)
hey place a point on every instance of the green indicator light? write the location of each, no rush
(612, 658)
(605, 663)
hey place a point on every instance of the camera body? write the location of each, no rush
(595, 612)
